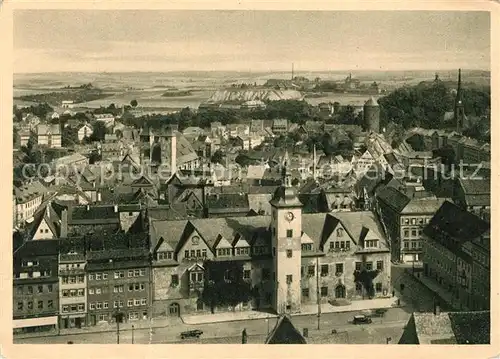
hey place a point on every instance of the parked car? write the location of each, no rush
(361, 319)
(191, 334)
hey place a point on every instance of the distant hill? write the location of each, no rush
(240, 95)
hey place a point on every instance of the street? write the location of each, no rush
(215, 331)
(415, 297)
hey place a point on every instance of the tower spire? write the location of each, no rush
(459, 106)
(286, 173)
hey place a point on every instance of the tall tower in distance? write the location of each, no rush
(371, 116)
(286, 233)
(459, 113)
(172, 140)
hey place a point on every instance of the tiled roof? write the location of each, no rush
(475, 186)
(43, 129)
(284, 332)
(93, 214)
(456, 223)
(471, 327)
(46, 247)
(393, 198)
(27, 192)
(423, 205)
(227, 202)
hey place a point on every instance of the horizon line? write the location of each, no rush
(250, 72)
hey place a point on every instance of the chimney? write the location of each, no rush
(116, 208)
(48, 209)
(64, 224)
(99, 197)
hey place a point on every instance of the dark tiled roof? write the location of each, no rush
(227, 202)
(393, 198)
(46, 247)
(455, 222)
(93, 214)
(476, 186)
(285, 333)
(471, 327)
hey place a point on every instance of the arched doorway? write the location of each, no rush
(174, 310)
(340, 291)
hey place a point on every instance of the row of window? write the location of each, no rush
(72, 279)
(30, 274)
(369, 266)
(338, 245)
(29, 263)
(40, 305)
(73, 308)
(39, 289)
(119, 274)
(413, 232)
(413, 244)
(414, 221)
(73, 293)
(118, 304)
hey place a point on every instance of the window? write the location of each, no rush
(324, 291)
(305, 292)
(203, 253)
(19, 305)
(324, 270)
(39, 289)
(306, 247)
(358, 266)
(130, 273)
(378, 287)
(175, 279)
(413, 245)
(30, 290)
(246, 274)
(339, 268)
(406, 233)
(340, 232)
(369, 265)
(72, 279)
(266, 274)
(289, 279)
(192, 254)
(186, 254)
(406, 221)
(359, 288)
(81, 307)
(289, 253)
(405, 245)
(130, 287)
(310, 271)
(289, 233)
(92, 306)
(73, 308)
(413, 221)
(91, 277)
(130, 303)
(413, 232)
(105, 305)
(50, 304)
(144, 301)
(138, 272)
(81, 292)
(65, 308)
(73, 293)
(141, 287)
(347, 245)
(337, 245)
(120, 303)
(342, 244)
(19, 290)
(137, 302)
(98, 276)
(98, 305)
(380, 265)
(133, 316)
(103, 317)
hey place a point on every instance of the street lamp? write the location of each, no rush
(118, 317)
(132, 334)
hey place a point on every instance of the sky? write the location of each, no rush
(256, 41)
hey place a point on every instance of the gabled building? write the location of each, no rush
(284, 332)
(474, 195)
(48, 135)
(28, 198)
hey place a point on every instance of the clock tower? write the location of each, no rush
(286, 231)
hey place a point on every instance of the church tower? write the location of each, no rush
(286, 232)
(459, 113)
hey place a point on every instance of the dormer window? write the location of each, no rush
(373, 243)
(165, 255)
(340, 232)
(195, 240)
(243, 251)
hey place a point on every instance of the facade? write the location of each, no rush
(49, 135)
(282, 257)
(405, 220)
(72, 284)
(118, 277)
(280, 126)
(28, 198)
(36, 292)
(474, 195)
(449, 258)
(85, 132)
